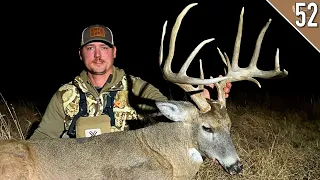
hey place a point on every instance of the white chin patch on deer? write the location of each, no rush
(195, 156)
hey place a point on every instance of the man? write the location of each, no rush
(97, 100)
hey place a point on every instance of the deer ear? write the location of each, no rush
(172, 110)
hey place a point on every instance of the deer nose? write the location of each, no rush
(235, 168)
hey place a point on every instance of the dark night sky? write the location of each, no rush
(41, 49)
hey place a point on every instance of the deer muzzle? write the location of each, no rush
(235, 168)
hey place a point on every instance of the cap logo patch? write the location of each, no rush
(97, 32)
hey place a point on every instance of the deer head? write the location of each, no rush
(210, 116)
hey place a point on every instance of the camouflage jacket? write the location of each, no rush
(64, 104)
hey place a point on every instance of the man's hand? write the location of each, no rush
(226, 89)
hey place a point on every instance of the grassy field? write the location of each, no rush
(273, 144)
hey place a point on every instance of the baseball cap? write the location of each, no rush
(98, 33)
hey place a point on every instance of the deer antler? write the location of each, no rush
(181, 78)
(235, 73)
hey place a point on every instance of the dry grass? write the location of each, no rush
(280, 145)
(16, 119)
(272, 145)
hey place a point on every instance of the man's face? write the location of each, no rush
(98, 57)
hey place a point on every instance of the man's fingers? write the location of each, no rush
(226, 90)
(229, 85)
(210, 85)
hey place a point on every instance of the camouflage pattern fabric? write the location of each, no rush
(122, 109)
(64, 104)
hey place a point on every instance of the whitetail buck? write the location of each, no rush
(161, 151)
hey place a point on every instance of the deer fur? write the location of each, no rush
(166, 150)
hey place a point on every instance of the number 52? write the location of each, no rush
(303, 15)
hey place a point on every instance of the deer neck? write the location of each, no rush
(172, 144)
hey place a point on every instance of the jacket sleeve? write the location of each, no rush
(52, 123)
(147, 91)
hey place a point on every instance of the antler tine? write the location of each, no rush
(161, 45)
(174, 32)
(201, 87)
(181, 78)
(255, 56)
(225, 59)
(235, 73)
(236, 50)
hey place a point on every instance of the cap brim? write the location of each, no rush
(98, 40)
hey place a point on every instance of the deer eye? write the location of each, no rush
(207, 129)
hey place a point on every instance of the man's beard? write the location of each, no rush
(98, 72)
